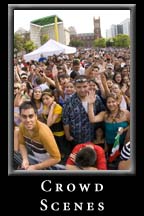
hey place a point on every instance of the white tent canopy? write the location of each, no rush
(50, 48)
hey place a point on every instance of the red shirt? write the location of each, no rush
(101, 160)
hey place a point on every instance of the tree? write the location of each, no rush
(18, 42)
(100, 42)
(29, 46)
(109, 42)
(76, 43)
(121, 40)
(44, 38)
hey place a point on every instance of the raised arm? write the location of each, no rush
(94, 118)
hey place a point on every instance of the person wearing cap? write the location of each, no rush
(109, 71)
(24, 76)
(77, 126)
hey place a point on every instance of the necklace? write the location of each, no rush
(115, 116)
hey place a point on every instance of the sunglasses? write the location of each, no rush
(81, 80)
(16, 87)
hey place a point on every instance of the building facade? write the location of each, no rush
(97, 28)
(46, 26)
(122, 28)
(87, 38)
(126, 26)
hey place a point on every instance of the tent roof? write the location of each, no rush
(50, 48)
(46, 20)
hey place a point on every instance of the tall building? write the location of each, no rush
(119, 29)
(97, 28)
(113, 30)
(122, 28)
(126, 26)
(46, 25)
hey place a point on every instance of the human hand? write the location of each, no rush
(91, 97)
(25, 164)
(120, 130)
(54, 71)
(69, 138)
(53, 105)
(31, 167)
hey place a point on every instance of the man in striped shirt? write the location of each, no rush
(37, 145)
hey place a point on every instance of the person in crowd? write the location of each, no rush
(86, 159)
(77, 69)
(37, 101)
(77, 126)
(114, 118)
(100, 136)
(117, 78)
(17, 86)
(42, 58)
(82, 158)
(38, 148)
(125, 161)
(52, 113)
(69, 90)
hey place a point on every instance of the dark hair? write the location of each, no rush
(101, 126)
(86, 157)
(48, 92)
(27, 105)
(76, 62)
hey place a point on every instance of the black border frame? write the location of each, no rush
(132, 8)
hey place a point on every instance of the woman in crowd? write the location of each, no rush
(52, 113)
(37, 101)
(114, 118)
(99, 136)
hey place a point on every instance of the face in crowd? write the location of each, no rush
(82, 87)
(69, 88)
(47, 99)
(28, 118)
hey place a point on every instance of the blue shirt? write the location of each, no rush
(76, 117)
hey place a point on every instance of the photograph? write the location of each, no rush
(71, 108)
(71, 90)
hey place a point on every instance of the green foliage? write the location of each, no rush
(29, 46)
(109, 42)
(18, 42)
(44, 39)
(121, 40)
(21, 43)
(76, 43)
(100, 42)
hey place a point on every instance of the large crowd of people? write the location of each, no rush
(69, 109)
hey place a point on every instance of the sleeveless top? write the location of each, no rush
(111, 129)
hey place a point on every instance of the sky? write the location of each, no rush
(82, 20)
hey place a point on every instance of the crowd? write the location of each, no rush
(68, 110)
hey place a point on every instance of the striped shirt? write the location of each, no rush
(125, 152)
(41, 144)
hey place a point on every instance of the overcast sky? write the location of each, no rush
(82, 20)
